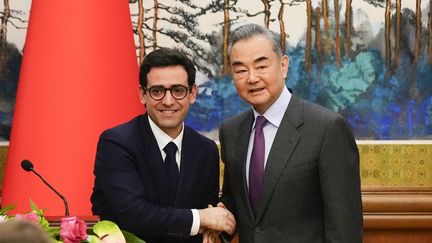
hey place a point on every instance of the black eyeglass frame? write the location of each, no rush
(188, 90)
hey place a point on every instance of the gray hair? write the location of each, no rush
(251, 30)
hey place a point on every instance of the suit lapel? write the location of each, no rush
(188, 164)
(155, 162)
(283, 146)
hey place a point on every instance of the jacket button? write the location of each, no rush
(257, 229)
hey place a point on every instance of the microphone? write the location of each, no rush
(28, 166)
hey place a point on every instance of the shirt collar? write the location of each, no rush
(163, 139)
(276, 111)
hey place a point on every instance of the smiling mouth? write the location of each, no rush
(168, 111)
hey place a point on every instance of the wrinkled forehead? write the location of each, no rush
(254, 49)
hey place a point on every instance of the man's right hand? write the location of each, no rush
(217, 219)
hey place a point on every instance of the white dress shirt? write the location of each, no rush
(274, 116)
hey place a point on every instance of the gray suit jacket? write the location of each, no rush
(311, 184)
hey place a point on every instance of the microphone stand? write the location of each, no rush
(52, 188)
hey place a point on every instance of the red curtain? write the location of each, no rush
(79, 76)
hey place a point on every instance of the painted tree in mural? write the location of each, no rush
(282, 31)
(337, 38)
(266, 12)
(318, 39)
(181, 25)
(397, 34)
(387, 4)
(190, 36)
(10, 63)
(230, 15)
(226, 33)
(4, 20)
(9, 17)
(140, 32)
(392, 57)
(308, 44)
(323, 38)
(325, 16)
(348, 28)
(418, 32)
(267, 4)
(387, 33)
(3, 31)
(312, 22)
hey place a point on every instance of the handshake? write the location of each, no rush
(214, 220)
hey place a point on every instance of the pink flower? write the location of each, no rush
(73, 230)
(32, 217)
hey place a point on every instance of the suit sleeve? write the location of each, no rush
(214, 176)
(340, 184)
(226, 197)
(118, 179)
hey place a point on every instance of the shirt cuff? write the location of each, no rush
(195, 223)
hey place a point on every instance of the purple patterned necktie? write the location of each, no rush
(256, 168)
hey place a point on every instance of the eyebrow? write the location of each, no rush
(259, 59)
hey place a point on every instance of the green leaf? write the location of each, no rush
(52, 231)
(35, 209)
(108, 230)
(92, 239)
(6, 209)
(131, 238)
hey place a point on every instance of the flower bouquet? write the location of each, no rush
(73, 229)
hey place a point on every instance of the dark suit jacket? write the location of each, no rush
(311, 183)
(131, 187)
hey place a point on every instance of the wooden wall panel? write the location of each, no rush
(397, 214)
(398, 236)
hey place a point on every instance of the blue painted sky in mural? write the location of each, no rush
(377, 105)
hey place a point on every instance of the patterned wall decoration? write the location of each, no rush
(396, 164)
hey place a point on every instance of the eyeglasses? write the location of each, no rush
(158, 92)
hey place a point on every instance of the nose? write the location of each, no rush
(168, 99)
(253, 77)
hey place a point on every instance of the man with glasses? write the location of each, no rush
(154, 176)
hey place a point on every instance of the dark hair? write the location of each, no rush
(250, 30)
(22, 231)
(164, 57)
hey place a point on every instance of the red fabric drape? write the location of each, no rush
(79, 76)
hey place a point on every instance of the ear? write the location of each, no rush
(142, 94)
(285, 65)
(193, 94)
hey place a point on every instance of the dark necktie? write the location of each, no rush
(171, 168)
(256, 168)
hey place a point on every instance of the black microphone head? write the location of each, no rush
(27, 165)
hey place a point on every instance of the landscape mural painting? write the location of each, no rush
(369, 60)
